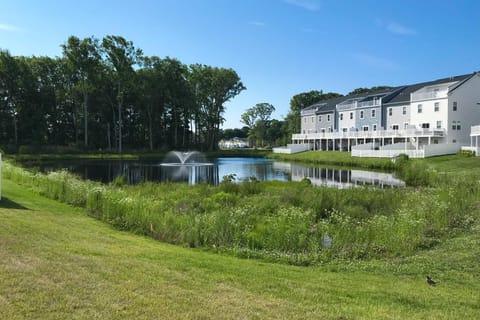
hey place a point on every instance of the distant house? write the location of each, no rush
(423, 119)
(234, 143)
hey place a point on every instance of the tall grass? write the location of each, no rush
(273, 220)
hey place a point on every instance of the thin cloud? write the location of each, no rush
(374, 61)
(257, 23)
(309, 5)
(396, 28)
(8, 27)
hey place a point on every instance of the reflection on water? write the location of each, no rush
(344, 178)
(243, 168)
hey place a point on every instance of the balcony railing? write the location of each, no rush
(429, 95)
(475, 131)
(371, 134)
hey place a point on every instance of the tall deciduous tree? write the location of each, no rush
(121, 57)
(213, 87)
(84, 61)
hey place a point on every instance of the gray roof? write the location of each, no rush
(391, 96)
(403, 94)
(326, 106)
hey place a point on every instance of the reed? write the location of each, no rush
(277, 221)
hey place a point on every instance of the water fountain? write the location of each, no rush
(191, 167)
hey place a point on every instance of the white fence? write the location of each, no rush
(292, 148)
(430, 150)
(371, 134)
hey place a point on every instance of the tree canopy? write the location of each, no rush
(105, 94)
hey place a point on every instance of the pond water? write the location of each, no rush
(243, 168)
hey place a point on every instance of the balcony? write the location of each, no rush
(372, 134)
(429, 95)
(475, 131)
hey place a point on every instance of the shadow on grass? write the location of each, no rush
(9, 204)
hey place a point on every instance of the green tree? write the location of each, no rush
(257, 119)
(84, 61)
(368, 90)
(213, 87)
(121, 57)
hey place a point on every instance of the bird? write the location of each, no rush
(430, 281)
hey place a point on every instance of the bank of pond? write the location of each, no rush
(285, 221)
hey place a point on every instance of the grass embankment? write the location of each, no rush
(285, 222)
(56, 262)
(335, 158)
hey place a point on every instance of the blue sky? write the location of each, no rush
(279, 48)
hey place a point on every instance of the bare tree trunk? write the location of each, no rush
(109, 142)
(150, 128)
(85, 120)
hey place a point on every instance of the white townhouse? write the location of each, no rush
(423, 119)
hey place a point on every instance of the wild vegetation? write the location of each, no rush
(288, 222)
(58, 263)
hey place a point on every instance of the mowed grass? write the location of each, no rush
(56, 262)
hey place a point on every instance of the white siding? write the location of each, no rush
(468, 111)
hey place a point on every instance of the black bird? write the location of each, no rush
(430, 281)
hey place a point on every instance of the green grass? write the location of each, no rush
(56, 262)
(336, 158)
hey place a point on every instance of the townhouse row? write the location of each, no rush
(434, 117)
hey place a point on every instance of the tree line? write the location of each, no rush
(106, 94)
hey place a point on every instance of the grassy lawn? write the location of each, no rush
(335, 158)
(56, 262)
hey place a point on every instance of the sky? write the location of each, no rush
(279, 48)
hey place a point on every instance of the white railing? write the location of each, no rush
(429, 95)
(475, 131)
(292, 148)
(429, 150)
(370, 134)
(347, 106)
(371, 103)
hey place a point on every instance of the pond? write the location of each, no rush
(137, 171)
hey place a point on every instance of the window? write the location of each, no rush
(328, 117)
(341, 116)
(361, 114)
(455, 105)
(344, 129)
(351, 115)
(419, 108)
(456, 125)
(404, 110)
(319, 118)
(395, 127)
(439, 124)
(437, 106)
(365, 128)
(304, 120)
(390, 111)
(405, 125)
(425, 125)
(373, 113)
(313, 119)
(374, 127)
